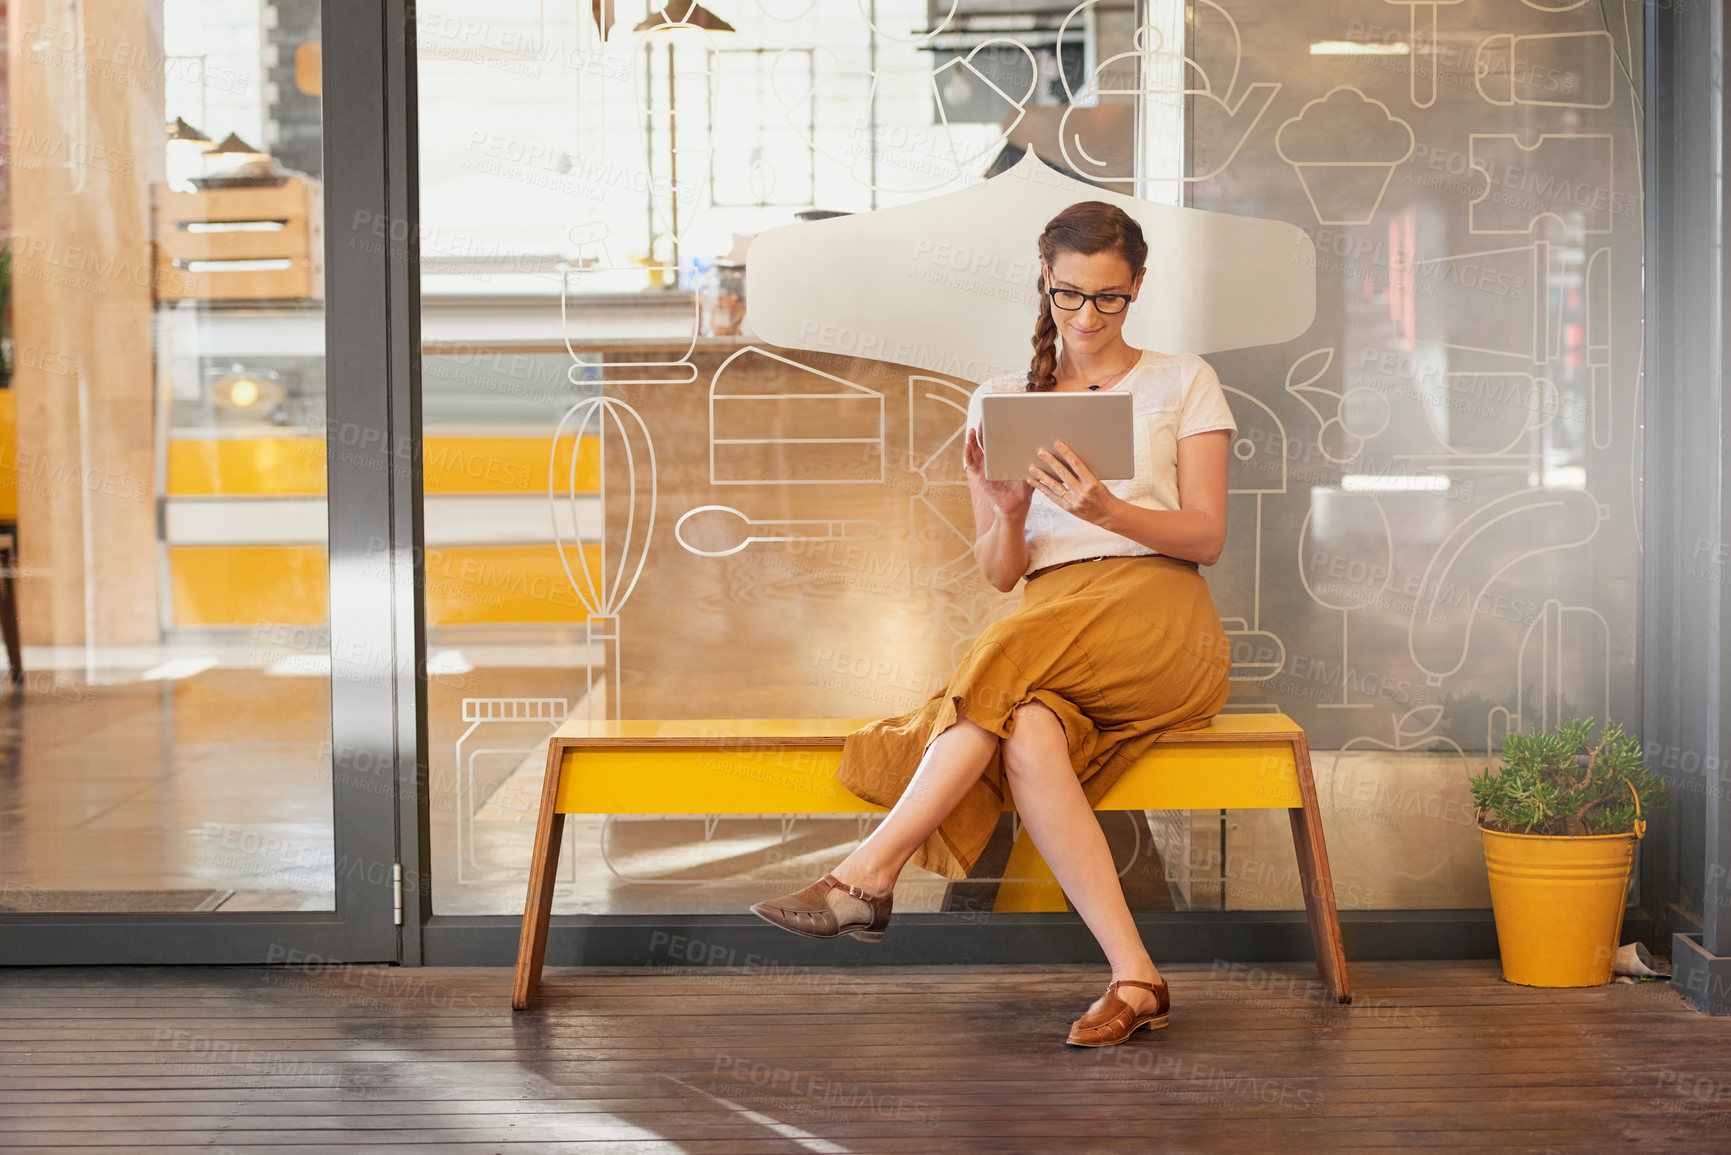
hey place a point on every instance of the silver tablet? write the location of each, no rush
(1100, 428)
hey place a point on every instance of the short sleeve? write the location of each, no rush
(1004, 383)
(974, 406)
(1205, 405)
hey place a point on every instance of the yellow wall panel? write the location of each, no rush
(470, 585)
(245, 585)
(466, 585)
(295, 466)
(247, 466)
(506, 464)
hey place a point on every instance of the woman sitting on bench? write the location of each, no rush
(1116, 638)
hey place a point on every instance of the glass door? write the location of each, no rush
(171, 787)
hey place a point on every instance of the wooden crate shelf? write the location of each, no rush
(295, 208)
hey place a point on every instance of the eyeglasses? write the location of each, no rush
(1070, 300)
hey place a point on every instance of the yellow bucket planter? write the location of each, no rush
(1558, 901)
(1560, 846)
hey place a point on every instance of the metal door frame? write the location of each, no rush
(378, 688)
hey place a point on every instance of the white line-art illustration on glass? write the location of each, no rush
(1422, 44)
(1596, 309)
(596, 266)
(675, 138)
(1345, 561)
(940, 515)
(789, 17)
(967, 617)
(1489, 414)
(1532, 69)
(1564, 643)
(1345, 420)
(1344, 146)
(767, 164)
(945, 155)
(1542, 189)
(726, 530)
(1258, 467)
(1221, 115)
(1556, 5)
(1413, 734)
(603, 592)
(508, 796)
(1454, 591)
(949, 284)
(825, 430)
(1413, 730)
(1495, 299)
(953, 82)
(1510, 302)
(937, 424)
(899, 32)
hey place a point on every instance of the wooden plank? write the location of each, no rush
(288, 201)
(175, 283)
(754, 733)
(289, 240)
(1317, 879)
(543, 870)
(703, 733)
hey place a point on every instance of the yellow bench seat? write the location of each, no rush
(787, 766)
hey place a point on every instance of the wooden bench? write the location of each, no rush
(787, 766)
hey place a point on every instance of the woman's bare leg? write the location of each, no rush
(952, 764)
(1058, 817)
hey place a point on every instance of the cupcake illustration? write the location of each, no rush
(1344, 147)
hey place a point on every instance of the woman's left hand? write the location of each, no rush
(1075, 489)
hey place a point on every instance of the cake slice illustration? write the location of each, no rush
(1344, 147)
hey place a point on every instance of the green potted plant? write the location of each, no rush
(1561, 818)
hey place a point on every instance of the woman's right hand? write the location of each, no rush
(1011, 497)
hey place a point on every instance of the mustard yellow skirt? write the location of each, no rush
(1120, 649)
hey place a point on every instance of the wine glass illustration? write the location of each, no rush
(1345, 560)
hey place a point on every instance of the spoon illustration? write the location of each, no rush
(723, 523)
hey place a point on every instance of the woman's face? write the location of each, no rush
(1087, 330)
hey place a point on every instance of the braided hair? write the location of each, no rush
(1087, 227)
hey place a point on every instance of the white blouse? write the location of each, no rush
(1177, 394)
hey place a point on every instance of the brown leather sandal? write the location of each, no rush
(829, 908)
(1112, 1020)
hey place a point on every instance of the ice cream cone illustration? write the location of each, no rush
(1344, 147)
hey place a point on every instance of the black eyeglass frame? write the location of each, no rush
(1090, 297)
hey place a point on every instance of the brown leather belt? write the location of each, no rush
(1046, 569)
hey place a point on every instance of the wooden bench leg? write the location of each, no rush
(543, 867)
(1316, 878)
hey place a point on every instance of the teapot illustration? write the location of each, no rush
(1229, 115)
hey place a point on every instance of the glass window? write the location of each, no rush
(162, 512)
(1433, 521)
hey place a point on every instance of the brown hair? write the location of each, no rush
(1087, 227)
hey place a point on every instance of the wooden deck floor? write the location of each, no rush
(769, 1060)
